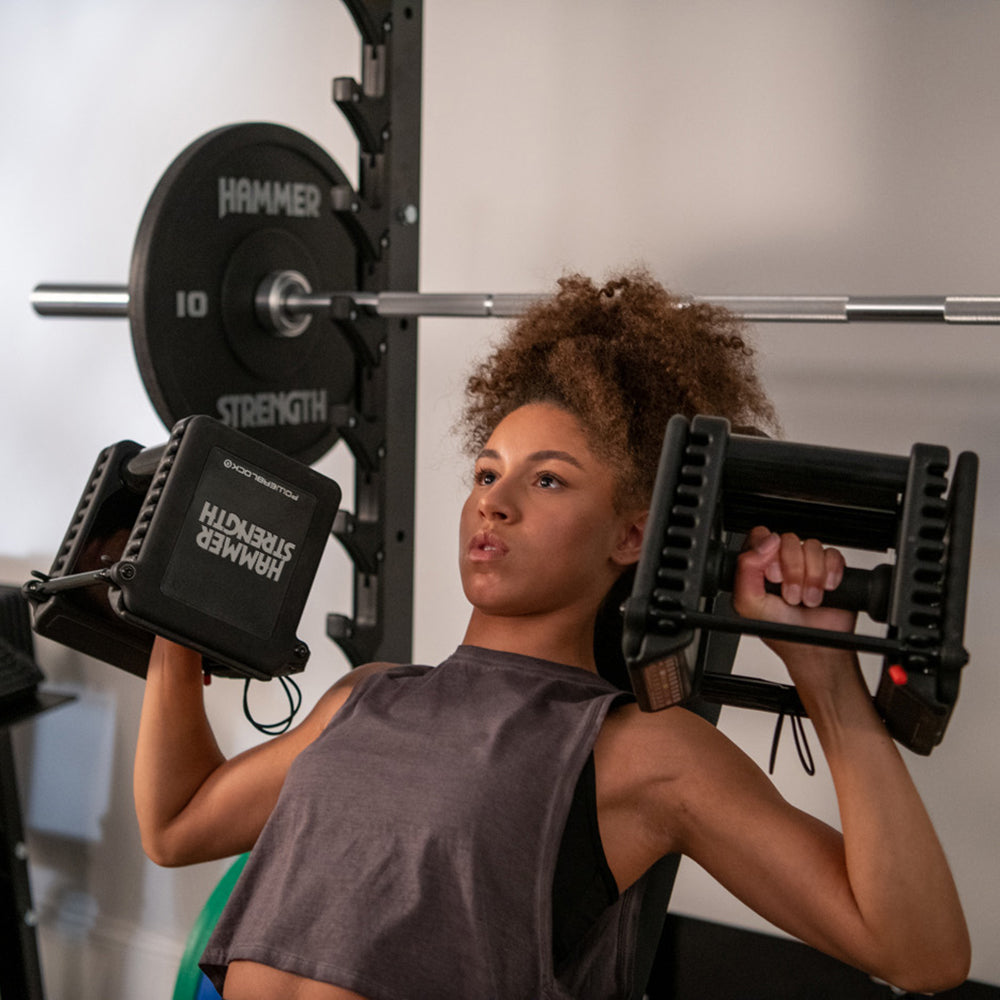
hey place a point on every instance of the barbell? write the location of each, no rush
(253, 238)
(284, 298)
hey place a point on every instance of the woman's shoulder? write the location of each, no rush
(659, 738)
(660, 776)
(346, 684)
(665, 756)
(335, 696)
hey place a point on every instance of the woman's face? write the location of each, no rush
(539, 532)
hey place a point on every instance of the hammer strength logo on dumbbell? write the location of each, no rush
(243, 196)
(242, 542)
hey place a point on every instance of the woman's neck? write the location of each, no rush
(569, 642)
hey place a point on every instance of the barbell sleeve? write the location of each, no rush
(79, 300)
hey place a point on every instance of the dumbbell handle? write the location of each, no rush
(81, 300)
(868, 590)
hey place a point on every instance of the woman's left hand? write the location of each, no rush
(806, 570)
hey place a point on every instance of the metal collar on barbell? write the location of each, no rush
(277, 303)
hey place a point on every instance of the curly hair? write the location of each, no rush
(622, 358)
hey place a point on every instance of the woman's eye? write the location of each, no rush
(485, 477)
(548, 481)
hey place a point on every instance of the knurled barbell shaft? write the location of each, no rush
(469, 304)
(83, 301)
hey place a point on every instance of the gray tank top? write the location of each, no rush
(412, 849)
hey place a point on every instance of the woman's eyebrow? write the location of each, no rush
(550, 454)
(546, 455)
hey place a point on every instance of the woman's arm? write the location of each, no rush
(890, 895)
(192, 803)
(880, 895)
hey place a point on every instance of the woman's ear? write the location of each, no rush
(629, 546)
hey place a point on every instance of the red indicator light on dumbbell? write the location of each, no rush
(898, 675)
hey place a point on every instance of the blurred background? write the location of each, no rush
(770, 147)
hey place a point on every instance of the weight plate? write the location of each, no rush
(237, 204)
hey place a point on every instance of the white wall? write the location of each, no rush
(771, 147)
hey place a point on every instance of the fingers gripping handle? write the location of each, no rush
(864, 590)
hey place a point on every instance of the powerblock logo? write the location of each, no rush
(243, 196)
(242, 470)
(243, 543)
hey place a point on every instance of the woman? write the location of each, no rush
(483, 828)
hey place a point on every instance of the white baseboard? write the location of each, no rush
(110, 960)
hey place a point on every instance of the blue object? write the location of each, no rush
(206, 991)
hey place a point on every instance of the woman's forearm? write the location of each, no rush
(898, 873)
(176, 750)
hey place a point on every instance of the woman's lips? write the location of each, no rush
(486, 547)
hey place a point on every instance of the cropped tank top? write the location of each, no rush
(413, 847)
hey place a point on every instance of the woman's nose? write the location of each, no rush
(497, 503)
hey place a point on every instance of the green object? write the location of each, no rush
(189, 976)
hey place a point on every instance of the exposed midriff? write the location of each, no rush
(253, 981)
